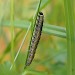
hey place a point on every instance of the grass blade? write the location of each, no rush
(12, 28)
(47, 28)
(20, 47)
(70, 27)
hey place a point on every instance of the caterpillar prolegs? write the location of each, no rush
(35, 38)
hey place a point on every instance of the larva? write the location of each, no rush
(35, 38)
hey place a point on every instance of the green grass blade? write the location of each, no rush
(54, 27)
(54, 32)
(47, 28)
(20, 47)
(44, 3)
(12, 28)
(70, 27)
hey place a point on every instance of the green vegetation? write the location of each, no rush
(55, 52)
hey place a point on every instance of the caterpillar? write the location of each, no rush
(35, 38)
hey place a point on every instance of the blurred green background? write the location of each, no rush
(50, 57)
